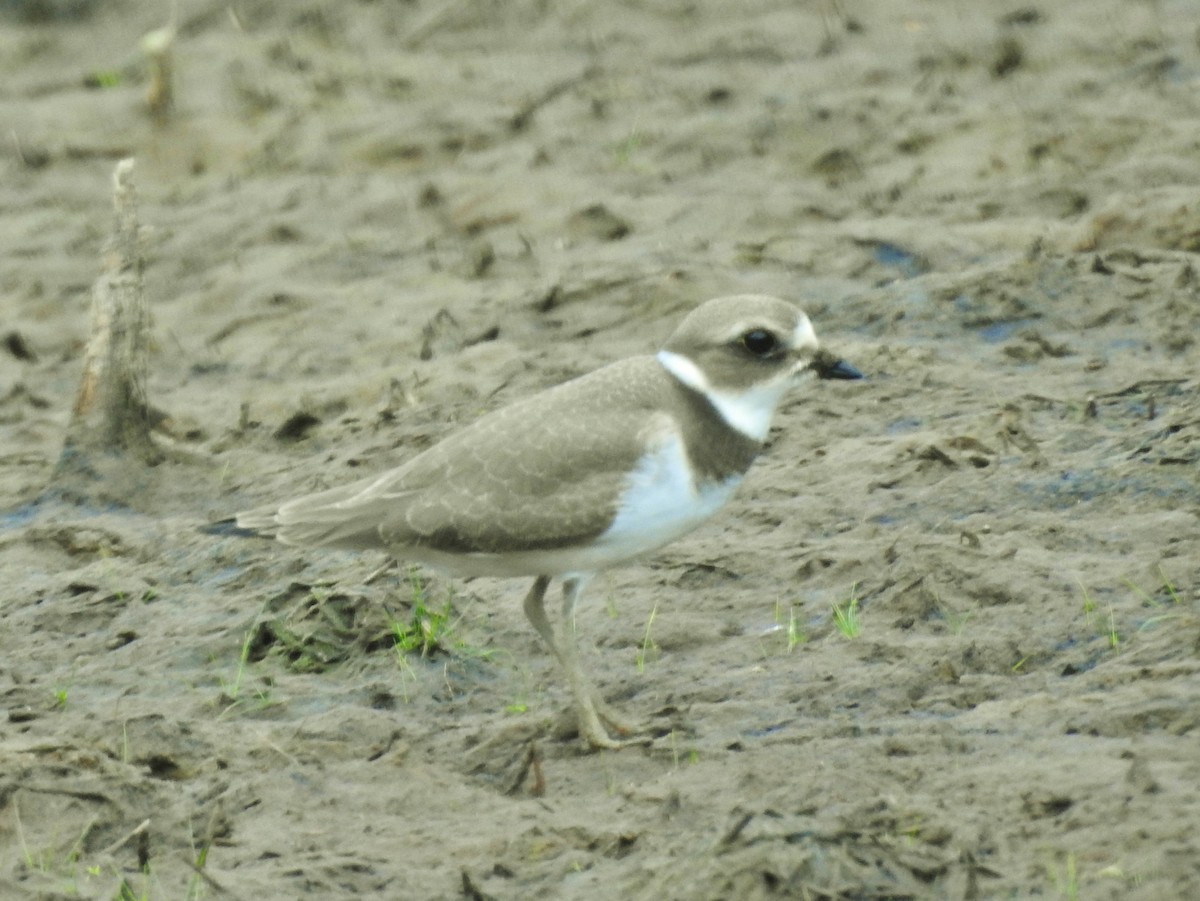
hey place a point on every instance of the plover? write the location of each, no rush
(583, 476)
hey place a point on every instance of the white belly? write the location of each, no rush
(661, 503)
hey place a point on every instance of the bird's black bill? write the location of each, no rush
(827, 366)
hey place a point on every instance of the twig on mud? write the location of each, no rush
(522, 117)
(389, 564)
(21, 831)
(532, 762)
(209, 880)
(141, 827)
(471, 891)
(433, 21)
(280, 751)
(199, 864)
(735, 831)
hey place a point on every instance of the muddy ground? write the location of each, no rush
(367, 222)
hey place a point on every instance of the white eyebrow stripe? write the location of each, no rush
(805, 335)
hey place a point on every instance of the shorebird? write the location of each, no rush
(583, 476)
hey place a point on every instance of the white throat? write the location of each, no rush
(749, 412)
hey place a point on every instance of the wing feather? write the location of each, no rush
(492, 487)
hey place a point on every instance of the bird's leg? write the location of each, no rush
(580, 684)
(535, 612)
(589, 721)
(567, 652)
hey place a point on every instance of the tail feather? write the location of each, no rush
(261, 521)
(340, 517)
(352, 534)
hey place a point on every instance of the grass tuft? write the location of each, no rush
(648, 644)
(845, 615)
(1066, 879)
(795, 632)
(1089, 605)
(428, 630)
(233, 688)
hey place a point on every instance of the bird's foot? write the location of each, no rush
(600, 739)
(596, 718)
(611, 719)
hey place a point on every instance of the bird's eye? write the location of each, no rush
(760, 343)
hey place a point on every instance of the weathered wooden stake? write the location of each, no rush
(110, 417)
(160, 94)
